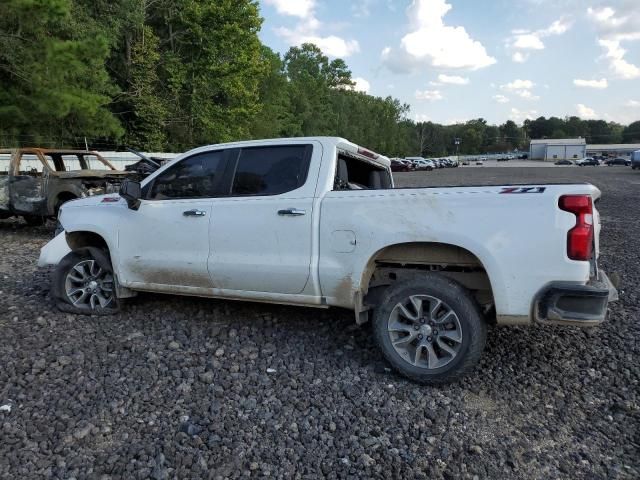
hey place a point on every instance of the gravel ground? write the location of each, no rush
(192, 388)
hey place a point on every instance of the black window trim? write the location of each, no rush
(226, 160)
(230, 173)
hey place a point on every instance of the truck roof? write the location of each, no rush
(338, 142)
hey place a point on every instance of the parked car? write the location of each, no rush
(563, 162)
(635, 159)
(38, 181)
(587, 162)
(398, 166)
(409, 164)
(421, 163)
(424, 164)
(503, 158)
(618, 161)
(333, 232)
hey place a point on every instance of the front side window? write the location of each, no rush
(30, 164)
(271, 170)
(194, 177)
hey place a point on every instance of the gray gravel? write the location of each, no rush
(191, 388)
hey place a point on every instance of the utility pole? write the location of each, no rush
(457, 141)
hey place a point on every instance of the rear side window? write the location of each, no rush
(194, 177)
(271, 170)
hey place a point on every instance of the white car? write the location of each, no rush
(421, 163)
(317, 222)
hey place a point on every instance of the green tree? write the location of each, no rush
(275, 118)
(631, 134)
(53, 82)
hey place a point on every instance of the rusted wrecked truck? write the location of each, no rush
(35, 182)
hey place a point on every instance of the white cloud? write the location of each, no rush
(585, 112)
(527, 94)
(522, 88)
(614, 27)
(615, 53)
(453, 79)
(518, 85)
(432, 43)
(520, 57)
(456, 121)
(362, 8)
(528, 41)
(521, 115)
(421, 117)
(297, 8)
(307, 31)
(600, 84)
(500, 98)
(430, 95)
(361, 85)
(632, 103)
(523, 41)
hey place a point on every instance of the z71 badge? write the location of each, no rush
(523, 189)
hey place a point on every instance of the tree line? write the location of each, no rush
(168, 75)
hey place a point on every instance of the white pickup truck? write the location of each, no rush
(318, 222)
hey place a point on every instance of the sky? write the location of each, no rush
(455, 60)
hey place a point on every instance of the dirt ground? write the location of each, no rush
(192, 388)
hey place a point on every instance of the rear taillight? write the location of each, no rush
(580, 237)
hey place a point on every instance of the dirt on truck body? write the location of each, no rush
(34, 182)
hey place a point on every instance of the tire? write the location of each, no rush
(83, 283)
(34, 220)
(466, 329)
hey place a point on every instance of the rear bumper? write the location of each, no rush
(575, 304)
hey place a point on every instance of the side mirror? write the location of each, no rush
(131, 191)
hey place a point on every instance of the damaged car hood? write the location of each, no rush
(109, 200)
(114, 174)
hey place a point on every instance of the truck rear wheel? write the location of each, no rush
(83, 282)
(430, 329)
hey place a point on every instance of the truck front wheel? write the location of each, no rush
(83, 282)
(430, 329)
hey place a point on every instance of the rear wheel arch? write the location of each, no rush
(404, 260)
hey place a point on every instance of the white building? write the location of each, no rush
(554, 149)
(623, 150)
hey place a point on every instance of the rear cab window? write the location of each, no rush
(356, 173)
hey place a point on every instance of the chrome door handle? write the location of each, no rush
(293, 212)
(194, 213)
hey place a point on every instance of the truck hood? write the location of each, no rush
(108, 200)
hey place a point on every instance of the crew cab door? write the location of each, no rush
(261, 232)
(164, 245)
